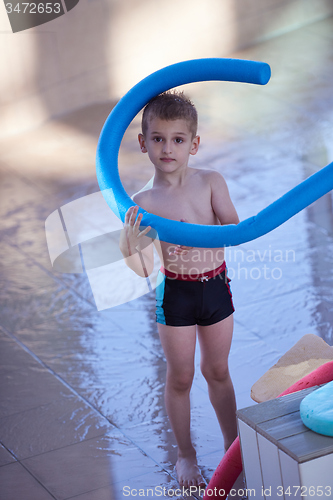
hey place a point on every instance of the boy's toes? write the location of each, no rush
(188, 473)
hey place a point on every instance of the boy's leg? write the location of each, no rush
(179, 348)
(215, 342)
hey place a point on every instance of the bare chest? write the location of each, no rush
(193, 205)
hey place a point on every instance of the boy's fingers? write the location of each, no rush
(138, 220)
(180, 249)
(145, 231)
(133, 215)
(128, 215)
(173, 252)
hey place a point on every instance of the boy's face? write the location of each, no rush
(168, 144)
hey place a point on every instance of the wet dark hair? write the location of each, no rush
(171, 105)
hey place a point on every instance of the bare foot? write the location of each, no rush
(188, 473)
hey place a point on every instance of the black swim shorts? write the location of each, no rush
(201, 299)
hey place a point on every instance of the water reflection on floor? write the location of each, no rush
(82, 412)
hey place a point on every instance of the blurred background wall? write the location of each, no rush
(101, 48)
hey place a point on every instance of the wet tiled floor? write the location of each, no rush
(82, 413)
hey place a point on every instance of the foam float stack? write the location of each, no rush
(283, 458)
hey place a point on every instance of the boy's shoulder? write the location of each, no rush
(209, 176)
(207, 173)
(142, 197)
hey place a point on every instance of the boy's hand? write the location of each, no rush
(130, 236)
(181, 249)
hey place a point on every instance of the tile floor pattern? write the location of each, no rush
(82, 413)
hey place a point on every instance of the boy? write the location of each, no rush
(193, 296)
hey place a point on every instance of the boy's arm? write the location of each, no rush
(136, 248)
(221, 201)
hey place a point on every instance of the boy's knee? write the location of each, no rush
(181, 381)
(218, 373)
